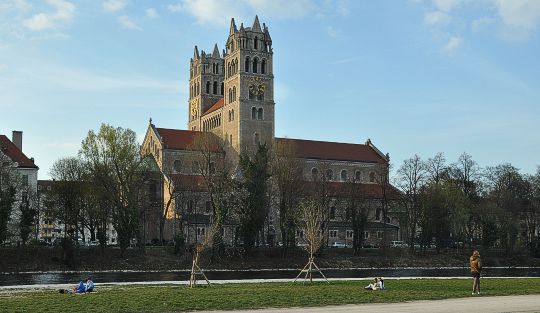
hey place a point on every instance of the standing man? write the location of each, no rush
(476, 268)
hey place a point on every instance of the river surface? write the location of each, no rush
(43, 278)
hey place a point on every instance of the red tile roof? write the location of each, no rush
(215, 106)
(325, 150)
(178, 139)
(15, 154)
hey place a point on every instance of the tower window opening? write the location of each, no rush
(222, 86)
(214, 89)
(255, 65)
(343, 175)
(253, 113)
(234, 93)
(256, 43)
(263, 66)
(372, 177)
(207, 87)
(260, 114)
(246, 65)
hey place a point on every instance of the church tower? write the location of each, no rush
(206, 74)
(248, 110)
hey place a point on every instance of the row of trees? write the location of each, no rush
(491, 206)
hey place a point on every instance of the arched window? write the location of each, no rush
(263, 66)
(229, 67)
(371, 177)
(230, 119)
(207, 87)
(213, 67)
(357, 176)
(378, 214)
(207, 207)
(230, 139)
(256, 140)
(260, 96)
(260, 114)
(343, 175)
(214, 89)
(190, 206)
(234, 93)
(256, 43)
(329, 174)
(177, 165)
(222, 86)
(246, 65)
(253, 113)
(255, 65)
(232, 114)
(314, 173)
(332, 213)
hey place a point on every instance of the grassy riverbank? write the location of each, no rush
(245, 296)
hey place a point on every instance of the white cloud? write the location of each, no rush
(482, 23)
(446, 5)
(175, 7)
(436, 18)
(127, 23)
(113, 5)
(521, 14)
(285, 8)
(151, 13)
(452, 45)
(64, 14)
(217, 12)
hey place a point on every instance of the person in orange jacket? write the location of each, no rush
(476, 269)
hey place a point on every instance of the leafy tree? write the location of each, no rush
(287, 180)
(253, 209)
(8, 189)
(27, 220)
(115, 164)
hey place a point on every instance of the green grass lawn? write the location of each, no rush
(176, 298)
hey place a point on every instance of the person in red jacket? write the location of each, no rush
(476, 269)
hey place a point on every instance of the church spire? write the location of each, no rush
(215, 54)
(233, 29)
(196, 53)
(256, 25)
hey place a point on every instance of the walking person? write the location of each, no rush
(476, 269)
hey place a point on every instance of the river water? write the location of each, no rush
(45, 278)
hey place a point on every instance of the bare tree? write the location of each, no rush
(412, 176)
(313, 224)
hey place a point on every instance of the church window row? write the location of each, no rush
(231, 115)
(254, 65)
(232, 94)
(214, 87)
(215, 68)
(244, 43)
(257, 114)
(212, 123)
(344, 175)
(232, 67)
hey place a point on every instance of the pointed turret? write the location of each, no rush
(215, 54)
(256, 25)
(233, 29)
(267, 33)
(196, 53)
(242, 30)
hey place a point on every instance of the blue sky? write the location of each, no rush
(415, 76)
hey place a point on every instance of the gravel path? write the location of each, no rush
(476, 304)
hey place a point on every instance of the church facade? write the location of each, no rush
(231, 95)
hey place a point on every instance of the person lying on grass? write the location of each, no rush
(81, 288)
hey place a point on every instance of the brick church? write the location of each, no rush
(231, 95)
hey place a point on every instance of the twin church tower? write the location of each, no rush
(231, 93)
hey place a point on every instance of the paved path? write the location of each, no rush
(476, 304)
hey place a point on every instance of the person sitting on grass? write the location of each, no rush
(79, 289)
(377, 284)
(89, 286)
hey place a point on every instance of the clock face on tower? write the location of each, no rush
(194, 112)
(256, 86)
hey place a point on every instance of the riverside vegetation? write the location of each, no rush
(173, 298)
